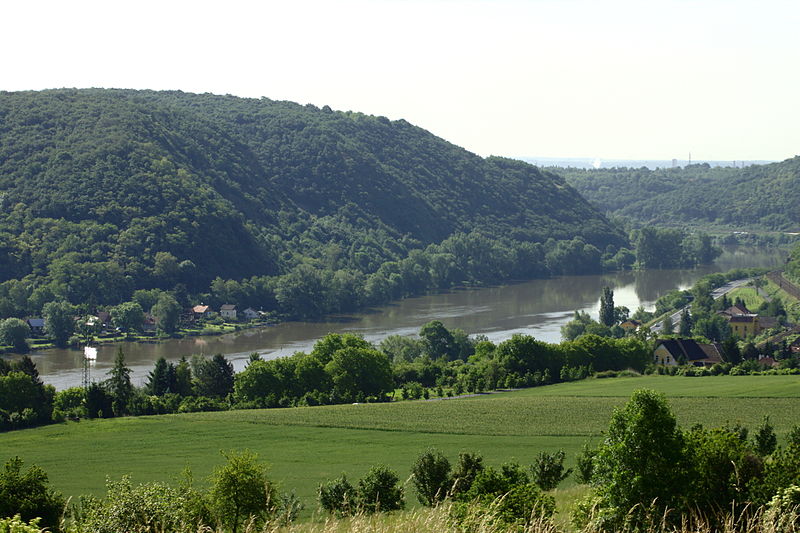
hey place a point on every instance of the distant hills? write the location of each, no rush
(122, 189)
(652, 164)
(754, 197)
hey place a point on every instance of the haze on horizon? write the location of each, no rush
(548, 78)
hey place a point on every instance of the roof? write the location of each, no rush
(743, 318)
(712, 351)
(738, 309)
(768, 361)
(690, 349)
(228, 307)
(200, 309)
(36, 322)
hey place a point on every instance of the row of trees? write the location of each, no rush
(339, 369)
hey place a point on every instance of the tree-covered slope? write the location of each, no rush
(136, 189)
(758, 196)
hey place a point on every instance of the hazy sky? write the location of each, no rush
(567, 78)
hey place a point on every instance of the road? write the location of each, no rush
(716, 293)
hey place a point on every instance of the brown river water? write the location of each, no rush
(538, 308)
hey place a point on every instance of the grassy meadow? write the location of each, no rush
(306, 446)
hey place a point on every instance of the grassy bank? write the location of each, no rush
(306, 446)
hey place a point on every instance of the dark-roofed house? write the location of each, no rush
(36, 325)
(673, 352)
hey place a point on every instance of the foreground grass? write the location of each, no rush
(306, 446)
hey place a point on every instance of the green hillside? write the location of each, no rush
(107, 191)
(755, 197)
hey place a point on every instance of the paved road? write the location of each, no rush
(716, 293)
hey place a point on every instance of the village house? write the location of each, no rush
(744, 323)
(36, 325)
(250, 314)
(228, 311)
(630, 325)
(201, 311)
(672, 352)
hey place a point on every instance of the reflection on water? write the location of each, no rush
(538, 308)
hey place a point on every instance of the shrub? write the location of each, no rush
(338, 496)
(431, 477)
(765, 440)
(146, 507)
(783, 511)
(378, 490)
(585, 464)
(548, 470)
(27, 494)
(468, 467)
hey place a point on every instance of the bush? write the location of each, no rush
(783, 511)
(379, 490)
(548, 470)
(468, 467)
(146, 507)
(28, 495)
(338, 496)
(585, 464)
(431, 477)
(507, 494)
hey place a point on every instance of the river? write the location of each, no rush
(538, 307)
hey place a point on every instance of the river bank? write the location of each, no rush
(537, 307)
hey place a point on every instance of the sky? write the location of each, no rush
(550, 78)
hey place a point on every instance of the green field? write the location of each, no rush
(306, 446)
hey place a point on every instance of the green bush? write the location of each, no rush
(378, 490)
(431, 477)
(338, 496)
(548, 470)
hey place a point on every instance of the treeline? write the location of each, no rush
(756, 197)
(312, 289)
(340, 369)
(104, 192)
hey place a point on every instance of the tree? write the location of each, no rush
(641, 463)
(161, 379)
(378, 490)
(360, 372)
(59, 321)
(240, 491)
(119, 384)
(214, 377)
(438, 340)
(183, 378)
(14, 332)
(166, 311)
(548, 470)
(28, 495)
(431, 477)
(686, 323)
(607, 307)
(667, 326)
(765, 440)
(128, 316)
(338, 496)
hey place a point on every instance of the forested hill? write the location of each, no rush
(106, 191)
(754, 197)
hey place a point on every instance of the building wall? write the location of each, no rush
(661, 356)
